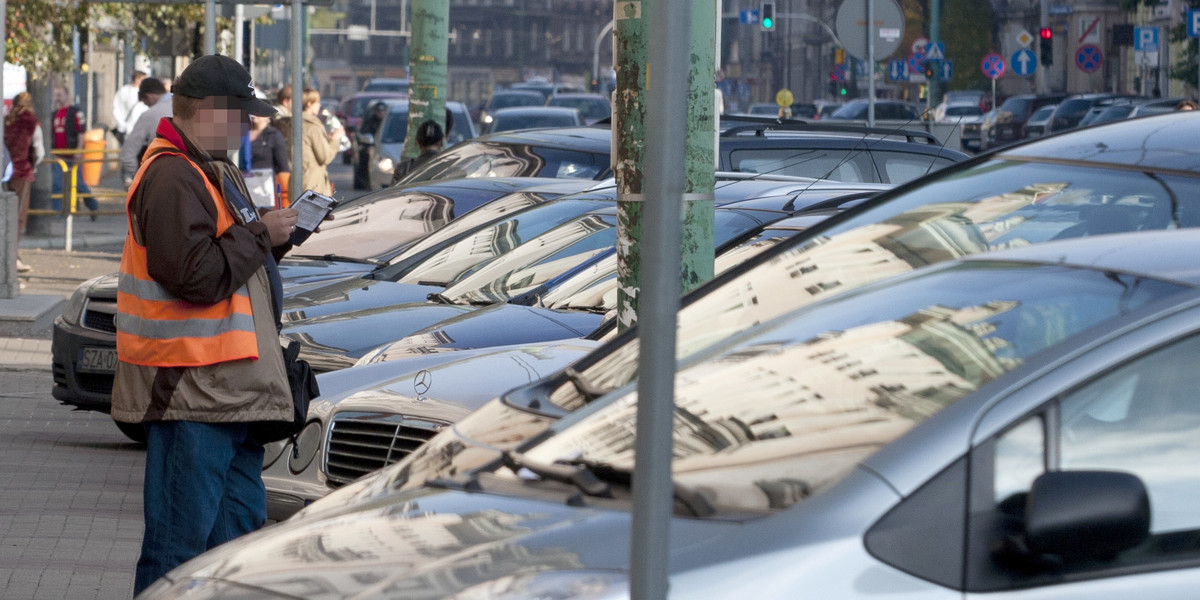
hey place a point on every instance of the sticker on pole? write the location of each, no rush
(992, 65)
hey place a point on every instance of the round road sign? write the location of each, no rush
(888, 28)
(992, 65)
(1089, 58)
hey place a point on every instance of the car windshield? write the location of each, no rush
(499, 237)
(1017, 106)
(523, 99)
(590, 108)
(508, 122)
(562, 250)
(789, 408)
(990, 205)
(962, 111)
(372, 230)
(495, 159)
(395, 128)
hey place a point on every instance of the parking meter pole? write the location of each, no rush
(870, 63)
(9, 286)
(671, 103)
(427, 69)
(295, 187)
(700, 104)
(935, 16)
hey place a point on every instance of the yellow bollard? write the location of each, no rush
(93, 156)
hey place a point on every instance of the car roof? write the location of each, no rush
(1163, 142)
(535, 110)
(1168, 254)
(583, 138)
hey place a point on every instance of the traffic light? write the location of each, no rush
(766, 16)
(1047, 46)
(929, 70)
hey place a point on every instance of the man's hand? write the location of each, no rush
(280, 224)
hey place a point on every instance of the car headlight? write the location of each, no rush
(385, 165)
(73, 312)
(307, 443)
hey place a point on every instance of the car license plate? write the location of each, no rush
(98, 360)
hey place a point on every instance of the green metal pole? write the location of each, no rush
(700, 159)
(430, 28)
(631, 58)
(634, 82)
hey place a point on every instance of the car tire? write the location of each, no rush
(133, 431)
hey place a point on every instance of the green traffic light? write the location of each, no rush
(767, 22)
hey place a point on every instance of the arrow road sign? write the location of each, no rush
(947, 70)
(1024, 62)
(898, 70)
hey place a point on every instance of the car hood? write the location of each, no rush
(336, 340)
(444, 386)
(296, 271)
(431, 544)
(497, 325)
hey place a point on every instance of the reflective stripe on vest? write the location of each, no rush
(154, 328)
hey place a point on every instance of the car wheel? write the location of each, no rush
(133, 431)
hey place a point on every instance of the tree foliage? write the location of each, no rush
(39, 32)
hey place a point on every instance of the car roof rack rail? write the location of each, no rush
(760, 129)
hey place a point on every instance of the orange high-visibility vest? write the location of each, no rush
(157, 329)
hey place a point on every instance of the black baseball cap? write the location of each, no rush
(218, 75)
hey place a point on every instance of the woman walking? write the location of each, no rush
(23, 138)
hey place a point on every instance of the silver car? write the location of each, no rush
(1021, 424)
(385, 146)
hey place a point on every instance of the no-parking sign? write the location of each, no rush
(1089, 58)
(992, 65)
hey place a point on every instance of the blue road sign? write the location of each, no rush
(992, 65)
(1145, 39)
(935, 51)
(1089, 58)
(1024, 62)
(916, 62)
(898, 70)
(947, 70)
(748, 17)
(1193, 23)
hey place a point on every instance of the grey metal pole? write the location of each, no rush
(666, 123)
(871, 63)
(210, 27)
(294, 187)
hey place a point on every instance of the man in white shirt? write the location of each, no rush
(153, 94)
(126, 106)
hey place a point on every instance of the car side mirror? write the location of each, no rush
(1088, 514)
(366, 139)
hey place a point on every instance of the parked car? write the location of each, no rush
(956, 112)
(1050, 188)
(1009, 125)
(386, 84)
(547, 88)
(1039, 121)
(508, 99)
(885, 110)
(1132, 107)
(763, 109)
(1073, 109)
(1022, 424)
(532, 117)
(971, 131)
(592, 107)
(385, 146)
(351, 112)
(832, 150)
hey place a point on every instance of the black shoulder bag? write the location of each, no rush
(303, 382)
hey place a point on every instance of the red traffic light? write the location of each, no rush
(1046, 33)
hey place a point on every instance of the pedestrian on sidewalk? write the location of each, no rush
(67, 129)
(23, 139)
(126, 106)
(198, 321)
(152, 93)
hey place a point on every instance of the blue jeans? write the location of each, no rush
(56, 188)
(203, 487)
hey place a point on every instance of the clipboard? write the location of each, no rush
(313, 207)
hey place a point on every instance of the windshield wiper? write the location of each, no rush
(581, 383)
(440, 298)
(340, 258)
(594, 479)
